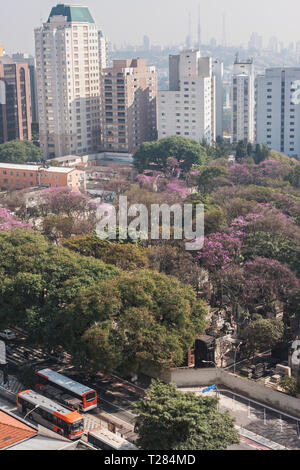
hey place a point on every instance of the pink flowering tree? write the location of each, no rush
(9, 223)
(64, 201)
(178, 187)
(241, 174)
(146, 181)
(220, 250)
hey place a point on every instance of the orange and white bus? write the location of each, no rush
(66, 391)
(51, 415)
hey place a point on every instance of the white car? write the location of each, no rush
(7, 334)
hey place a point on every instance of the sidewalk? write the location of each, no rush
(266, 428)
(14, 386)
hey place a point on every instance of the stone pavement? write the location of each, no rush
(265, 426)
(13, 385)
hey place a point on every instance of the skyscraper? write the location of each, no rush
(243, 104)
(146, 43)
(15, 119)
(103, 51)
(188, 107)
(30, 61)
(68, 82)
(218, 72)
(278, 110)
(256, 42)
(129, 113)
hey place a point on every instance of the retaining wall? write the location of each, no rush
(185, 377)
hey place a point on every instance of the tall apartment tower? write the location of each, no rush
(218, 72)
(243, 104)
(68, 82)
(15, 119)
(31, 62)
(129, 113)
(188, 108)
(278, 110)
(103, 52)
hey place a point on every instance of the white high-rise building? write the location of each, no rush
(243, 104)
(103, 51)
(278, 110)
(68, 82)
(218, 72)
(188, 108)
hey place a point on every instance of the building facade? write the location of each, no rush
(188, 108)
(13, 176)
(278, 110)
(103, 51)
(243, 104)
(30, 61)
(218, 72)
(128, 97)
(68, 82)
(15, 116)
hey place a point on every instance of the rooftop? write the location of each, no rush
(73, 13)
(13, 431)
(14, 166)
(51, 169)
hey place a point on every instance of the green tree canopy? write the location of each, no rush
(169, 419)
(37, 279)
(155, 154)
(263, 333)
(125, 256)
(209, 176)
(19, 151)
(139, 318)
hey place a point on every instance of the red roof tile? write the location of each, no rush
(13, 431)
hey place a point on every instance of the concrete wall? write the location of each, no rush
(185, 377)
(261, 393)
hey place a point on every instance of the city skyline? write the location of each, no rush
(241, 20)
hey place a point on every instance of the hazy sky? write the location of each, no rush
(164, 21)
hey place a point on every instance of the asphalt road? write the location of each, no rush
(116, 397)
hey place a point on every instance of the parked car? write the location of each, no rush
(7, 334)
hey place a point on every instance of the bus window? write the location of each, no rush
(90, 396)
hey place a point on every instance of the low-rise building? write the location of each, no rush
(14, 176)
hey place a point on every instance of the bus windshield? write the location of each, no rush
(78, 425)
(90, 396)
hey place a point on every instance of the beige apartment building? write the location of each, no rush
(68, 82)
(129, 111)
